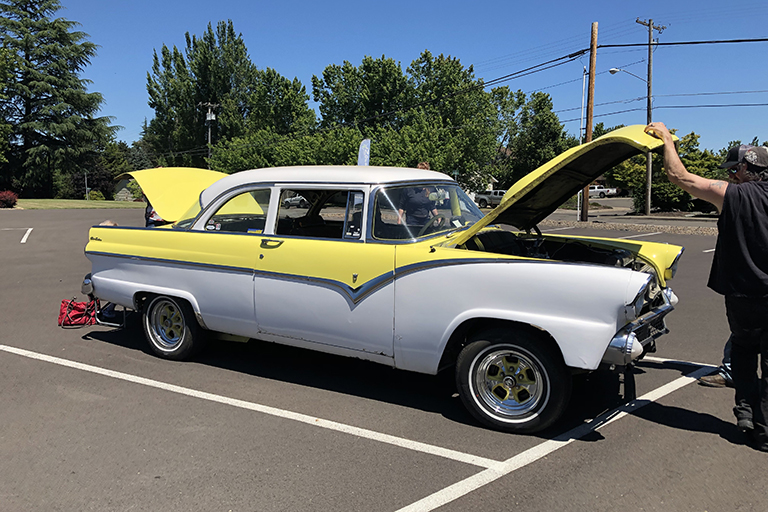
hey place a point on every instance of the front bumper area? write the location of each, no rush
(639, 336)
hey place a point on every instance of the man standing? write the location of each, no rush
(739, 271)
(722, 377)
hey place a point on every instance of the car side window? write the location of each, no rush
(354, 221)
(312, 213)
(243, 213)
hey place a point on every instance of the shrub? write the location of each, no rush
(8, 199)
(96, 195)
(135, 190)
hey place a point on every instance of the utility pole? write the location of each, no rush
(590, 108)
(649, 155)
(210, 117)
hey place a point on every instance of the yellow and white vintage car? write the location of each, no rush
(360, 271)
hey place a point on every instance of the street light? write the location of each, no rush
(648, 155)
(613, 71)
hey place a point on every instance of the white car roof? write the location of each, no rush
(321, 174)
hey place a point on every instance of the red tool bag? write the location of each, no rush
(77, 314)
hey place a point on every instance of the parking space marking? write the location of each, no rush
(26, 235)
(640, 235)
(709, 250)
(493, 469)
(272, 411)
(459, 489)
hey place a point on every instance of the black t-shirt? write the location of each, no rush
(416, 205)
(740, 265)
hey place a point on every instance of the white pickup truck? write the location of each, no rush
(601, 191)
(490, 198)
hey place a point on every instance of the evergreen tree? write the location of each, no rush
(6, 69)
(54, 129)
(216, 75)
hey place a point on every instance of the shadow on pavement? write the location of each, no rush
(593, 394)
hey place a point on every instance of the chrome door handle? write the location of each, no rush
(271, 244)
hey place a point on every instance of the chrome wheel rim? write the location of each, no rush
(510, 384)
(166, 324)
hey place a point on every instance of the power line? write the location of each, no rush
(684, 43)
(670, 107)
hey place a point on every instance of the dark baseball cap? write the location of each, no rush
(735, 155)
(757, 156)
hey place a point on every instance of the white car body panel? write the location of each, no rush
(552, 300)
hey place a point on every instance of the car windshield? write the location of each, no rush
(414, 211)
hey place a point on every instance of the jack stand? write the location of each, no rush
(630, 390)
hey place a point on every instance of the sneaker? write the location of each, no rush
(716, 380)
(745, 424)
(108, 312)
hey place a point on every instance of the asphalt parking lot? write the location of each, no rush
(92, 421)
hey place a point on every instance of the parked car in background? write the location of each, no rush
(490, 198)
(351, 277)
(601, 191)
(296, 201)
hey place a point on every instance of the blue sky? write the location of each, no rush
(300, 38)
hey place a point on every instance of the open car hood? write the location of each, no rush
(538, 194)
(172, 190)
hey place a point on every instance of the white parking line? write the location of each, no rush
(640, 235)
(558, 229)
(303, 418)
(494, 469)
(26, 235)
(537, 452)
(709, 250)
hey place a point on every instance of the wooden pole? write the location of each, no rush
(590, 108)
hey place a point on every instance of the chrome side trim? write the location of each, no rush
(355, 295)
(175, 262)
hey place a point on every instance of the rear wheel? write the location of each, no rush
(483, 203)
(512, 381)
(171, 328)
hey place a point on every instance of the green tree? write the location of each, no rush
(6, 71)
(55, 131)
(268, 149)
(279, 104)
(444, 89)
(175, 131)
(537, 137)
(215, 75)
(370, 96)
(140, 155)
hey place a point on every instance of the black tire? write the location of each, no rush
(286, 205)
(483, 203)
(602, 195)
(171, 328)
(302, 204)
(512, 381)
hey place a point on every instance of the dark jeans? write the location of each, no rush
(748, 320)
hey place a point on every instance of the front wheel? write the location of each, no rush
(171, 328)
(483, 203)
(512, 382)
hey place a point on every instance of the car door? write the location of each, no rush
(318, 283)
(226, 250)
